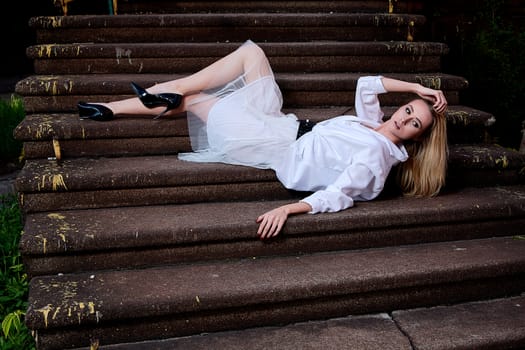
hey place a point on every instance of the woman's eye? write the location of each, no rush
(415, 124)
(407, 110)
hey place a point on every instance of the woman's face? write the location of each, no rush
(409, 121)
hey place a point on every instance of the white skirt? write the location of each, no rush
(244, 124)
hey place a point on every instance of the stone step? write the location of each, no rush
(226, 27)
(80, 183)
(168, 6)
(327, 56)
(135, 237)
(488, 324)
(135, 305)
(140, 135)
(61, 93)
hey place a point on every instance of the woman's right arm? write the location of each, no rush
(271, 222)
(435, 96)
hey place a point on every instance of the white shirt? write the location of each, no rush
(343, 159)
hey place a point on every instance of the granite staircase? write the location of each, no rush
(129, 248)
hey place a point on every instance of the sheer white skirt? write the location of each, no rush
(241, 122)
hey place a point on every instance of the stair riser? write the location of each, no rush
(74, 260)
(284, 313)
(167, 145)
(142, 195)
(225, 27)
(214, 51)
(269, 6)
(108, 147)
(308, 98)
(372, 64)
(225, 34)
(34, 202)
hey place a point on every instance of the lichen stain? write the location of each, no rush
(68, 306)
(56, 180)
(46, 51)
(433, 82)
(44, 129)
(410, 31)
(68, 86)
(55, 22)
(55, 313)
(56, 216)
(44, 243)
(62, 229)
(503, 160)
(45, 313)
(459, 117)
(51, 86)
(120, 53)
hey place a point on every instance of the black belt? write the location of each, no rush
(304, 127)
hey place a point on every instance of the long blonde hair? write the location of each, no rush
(423, 174)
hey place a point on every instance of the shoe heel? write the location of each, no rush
(169, 100)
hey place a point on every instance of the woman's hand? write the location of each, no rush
(271, 222)
(435, 96)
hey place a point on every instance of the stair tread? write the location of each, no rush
(218, 50)
(153, 292)
(72, 231)
(118, 84)
(161, 21)
(67, 126)
(483, 324)
(76, 174)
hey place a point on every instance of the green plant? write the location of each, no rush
(11, 114)
(13, 280)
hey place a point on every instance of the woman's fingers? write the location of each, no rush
(441, 103)
(270, 224)
(438, 99)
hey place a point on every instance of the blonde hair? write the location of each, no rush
(423, 173)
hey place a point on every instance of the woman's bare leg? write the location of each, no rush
(249, 59)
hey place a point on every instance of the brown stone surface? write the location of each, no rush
(494, 324)
(300, 57)
(138, 236)
(61, 93)
(373, 332)
(181, 300)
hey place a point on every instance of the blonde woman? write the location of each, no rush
(234, 116)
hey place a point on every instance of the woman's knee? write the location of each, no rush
(253, 51)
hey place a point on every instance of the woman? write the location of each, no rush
(234, 116)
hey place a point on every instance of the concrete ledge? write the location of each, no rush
(493, 324)
(371, 332)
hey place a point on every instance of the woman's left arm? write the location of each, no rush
(435, 96)
(271, 222)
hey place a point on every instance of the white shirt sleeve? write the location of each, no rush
(366, 100)
(358, 180)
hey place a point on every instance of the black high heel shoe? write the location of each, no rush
(171, 101)
(94, 111)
